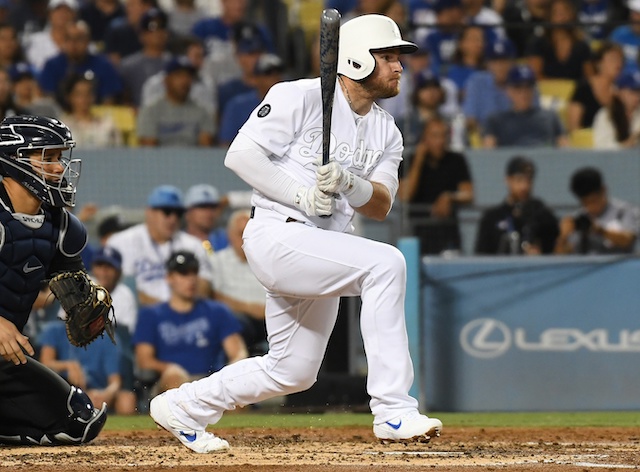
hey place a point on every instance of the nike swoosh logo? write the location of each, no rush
(26, 269)
(188, 437)
(395, 426)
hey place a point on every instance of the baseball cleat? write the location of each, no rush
(198, 441)
(412, 427)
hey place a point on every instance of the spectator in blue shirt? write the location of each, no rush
(187, 337)
(267, 72)
(77, 60)
(485, 92)
(469, 56)
(628, 36)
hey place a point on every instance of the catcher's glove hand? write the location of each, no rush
(88, 307)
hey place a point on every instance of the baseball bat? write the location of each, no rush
(329, 35)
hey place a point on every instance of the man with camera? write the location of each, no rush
(602, 225)
(522, 224)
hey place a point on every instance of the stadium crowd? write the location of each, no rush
(500, 73)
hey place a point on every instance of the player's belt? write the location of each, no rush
(288, 220)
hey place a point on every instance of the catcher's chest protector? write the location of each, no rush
(25, 256)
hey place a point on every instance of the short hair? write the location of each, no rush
(586, 181)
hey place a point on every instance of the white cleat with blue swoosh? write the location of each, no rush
(198, 441)
(412, 427)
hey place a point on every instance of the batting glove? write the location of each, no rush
(313, 202)
(333, 178)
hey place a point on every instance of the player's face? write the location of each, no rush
(48, 164)
(385, 80)
(183, 286)
(519, 186)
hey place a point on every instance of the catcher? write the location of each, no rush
(40, 240)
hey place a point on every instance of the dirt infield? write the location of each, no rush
(349, 449)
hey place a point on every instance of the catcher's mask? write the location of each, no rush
(29, 140)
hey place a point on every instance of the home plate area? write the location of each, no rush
(345, 449)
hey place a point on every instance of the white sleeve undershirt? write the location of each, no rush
(252, 164)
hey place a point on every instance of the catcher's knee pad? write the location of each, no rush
(84, 422)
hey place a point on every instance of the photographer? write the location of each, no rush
(521, 224)
(603, 225)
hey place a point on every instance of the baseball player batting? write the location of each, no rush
(307, 263)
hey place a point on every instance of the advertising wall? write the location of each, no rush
(550, 333)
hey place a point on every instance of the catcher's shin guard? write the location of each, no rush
(37, 407)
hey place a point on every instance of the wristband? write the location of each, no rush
(358, 191)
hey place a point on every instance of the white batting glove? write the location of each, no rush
(333, 178)
(314, 202)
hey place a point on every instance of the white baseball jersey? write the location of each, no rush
(145, 260)
(288, 124)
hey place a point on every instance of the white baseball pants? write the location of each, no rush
(305, 271)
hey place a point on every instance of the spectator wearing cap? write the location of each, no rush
(10, 50)
(524, 124)
(617, 126)
(175, 119)
(145, 247)
(187, 337)
(602, 224)
(202, 218)
(43, 45)
(249, 45)
(98, 14)
(97, 368)
(76, 59)
(485, 92)
(90, 130)
(437, 184)
(27, 94)
(203, 90)
(267, 72)
(521, 224)
(151, 59)
(628, 36)
(561, 53)
(235, 285)
(122, 35)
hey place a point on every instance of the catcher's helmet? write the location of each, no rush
(360, 36)
(20, 137)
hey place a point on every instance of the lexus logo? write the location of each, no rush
(485, 338)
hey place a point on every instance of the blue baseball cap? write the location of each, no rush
(521, 75)
(154, 19)
(501, 48)
(629, 80)
(166, 196)
(202, 195)
(426, 78)
(249, 39)
(20, 70)
(441, 5)
(108, 255)
(179, 63)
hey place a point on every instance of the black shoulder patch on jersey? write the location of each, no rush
(264, 110)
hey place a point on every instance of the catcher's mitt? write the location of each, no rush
(88, 307)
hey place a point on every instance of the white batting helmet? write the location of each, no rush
(363, 34)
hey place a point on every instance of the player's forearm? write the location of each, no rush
(377, 208)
